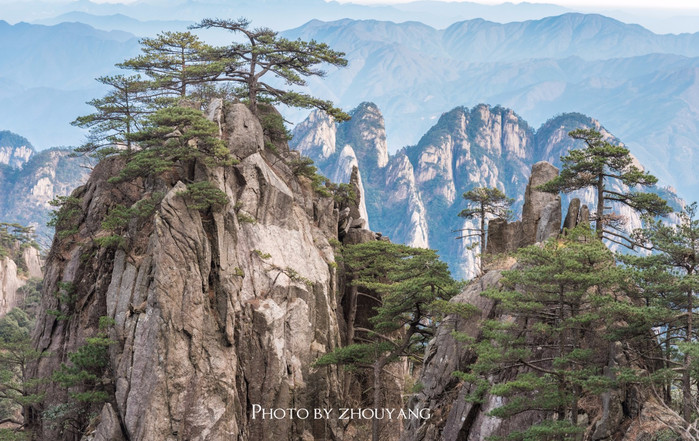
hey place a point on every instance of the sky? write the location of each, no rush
(665, 4)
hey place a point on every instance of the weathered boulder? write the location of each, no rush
(503, 236)
(584, 215)
(108, 426)
(541, 216)
(549, 224)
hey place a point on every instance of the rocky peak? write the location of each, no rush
(214, 311)
(552, 140)
(15, 150)
(500, 131)
(416, 197)
(315, 136)
(541, 216)
(366, 133)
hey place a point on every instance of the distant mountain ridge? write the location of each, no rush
(29, 180)
(589, 36)
(119, 22)
(48, 73)
(415, 195)
(641, 85)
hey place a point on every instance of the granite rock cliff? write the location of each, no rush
(214, 312)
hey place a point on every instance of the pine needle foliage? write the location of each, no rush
(409, 286)
(263, 53)
(600, 165)
(172, 135)
(670, 280)
(562, 306)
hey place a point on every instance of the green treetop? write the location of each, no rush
(483, 202)
(670, 281)
(16, 353)
(562, 305)
(264, 53)
(117, 115)
(174, 61)
(170, 135)
(599, 165)
(409, 287)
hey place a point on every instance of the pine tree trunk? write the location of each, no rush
(483, 237)
(600, 206)
(686, 377)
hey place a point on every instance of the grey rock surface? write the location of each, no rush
(571, 219)
(536, 204)
(214, 311)
(243, 130)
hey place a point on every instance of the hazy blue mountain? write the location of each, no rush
(119, 22)
(641, 85)
(558, 64)
(48, 72)
(63, 56)
(281, 14)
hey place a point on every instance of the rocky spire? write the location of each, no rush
(541, 216)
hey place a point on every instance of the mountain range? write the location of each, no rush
(414, 196)
(642, 86)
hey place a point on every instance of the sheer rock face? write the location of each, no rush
(10, 278)
(316, 135)
(214, 312)
(9, 284)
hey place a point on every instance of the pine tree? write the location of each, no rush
(410, 287)
(16, 353)
(484, 202)
(561, 304)
(265, 53)
(670, 281)
(598, 165)
(175, 61)
(117, 115)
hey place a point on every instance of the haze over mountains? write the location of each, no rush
(642, 86)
